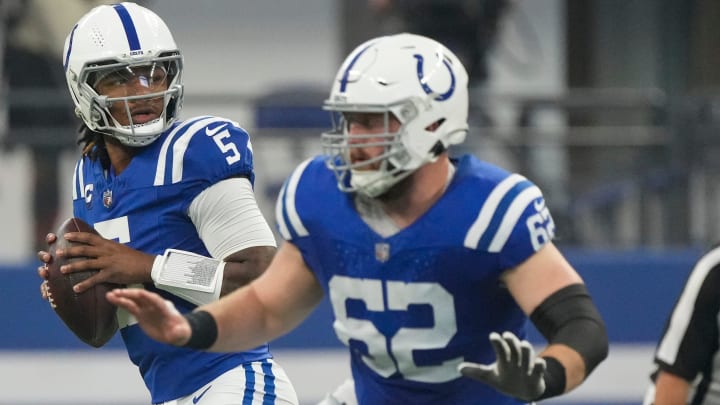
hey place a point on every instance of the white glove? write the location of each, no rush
(343, 395)
(516, 372)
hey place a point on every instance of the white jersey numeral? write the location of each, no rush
(540, 225)
(394, 354)
(118, 229)
(227, 146)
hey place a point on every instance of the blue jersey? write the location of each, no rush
(146, 208)
(413, 305)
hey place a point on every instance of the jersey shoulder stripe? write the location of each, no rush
(78, 179)
(499, 213)
(682, 314)
(286, 214)
(512, 215)
(174, 147)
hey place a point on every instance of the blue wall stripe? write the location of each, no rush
(634, 291)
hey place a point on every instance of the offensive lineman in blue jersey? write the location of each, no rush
(167, 196)
(423, 257)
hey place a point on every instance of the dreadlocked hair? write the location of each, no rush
(93, 144)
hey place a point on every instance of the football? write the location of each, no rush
(88, 315)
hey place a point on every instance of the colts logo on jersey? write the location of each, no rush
(382, 252)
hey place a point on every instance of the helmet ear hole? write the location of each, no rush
(435, 125)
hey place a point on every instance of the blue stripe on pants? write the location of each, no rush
(249, 384)
(270, 396)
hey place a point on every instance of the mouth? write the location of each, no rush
(143, 115)
(363, 165)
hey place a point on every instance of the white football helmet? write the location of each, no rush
(115, 39)
(419, 81)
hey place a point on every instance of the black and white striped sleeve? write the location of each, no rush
(690, 340)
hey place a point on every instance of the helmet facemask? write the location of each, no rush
(161, 76)
(376, 175)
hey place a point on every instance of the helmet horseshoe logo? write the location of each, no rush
(426, 88)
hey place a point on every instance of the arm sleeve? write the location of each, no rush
(569, 317)
(228, 218)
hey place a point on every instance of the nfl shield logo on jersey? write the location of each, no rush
(382, 252)
(107, 198)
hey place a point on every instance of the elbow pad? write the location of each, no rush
(569, 317)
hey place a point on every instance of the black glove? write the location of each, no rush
(516, 372)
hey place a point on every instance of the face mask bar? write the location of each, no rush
(338, 144)
(149, 76)
(103, 103)
(92, 74)
(165, 70)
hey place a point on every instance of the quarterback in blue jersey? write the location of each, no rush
(432, 264)
(173, 200)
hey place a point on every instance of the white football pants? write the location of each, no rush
(258, 383)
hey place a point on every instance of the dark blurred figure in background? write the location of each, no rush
(468, 27)
(39, 114)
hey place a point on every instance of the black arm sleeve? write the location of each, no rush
(569, 317)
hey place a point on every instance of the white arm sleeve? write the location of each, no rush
(228, 218)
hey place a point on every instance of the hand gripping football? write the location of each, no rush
(88, 315)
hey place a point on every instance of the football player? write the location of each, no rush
(173, 200)
(432, 264)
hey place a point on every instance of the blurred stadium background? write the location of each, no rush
(610, 106)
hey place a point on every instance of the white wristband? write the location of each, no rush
(188, 275)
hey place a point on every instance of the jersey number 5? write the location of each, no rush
(388, 355)
(225, 145)
(118, 229)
